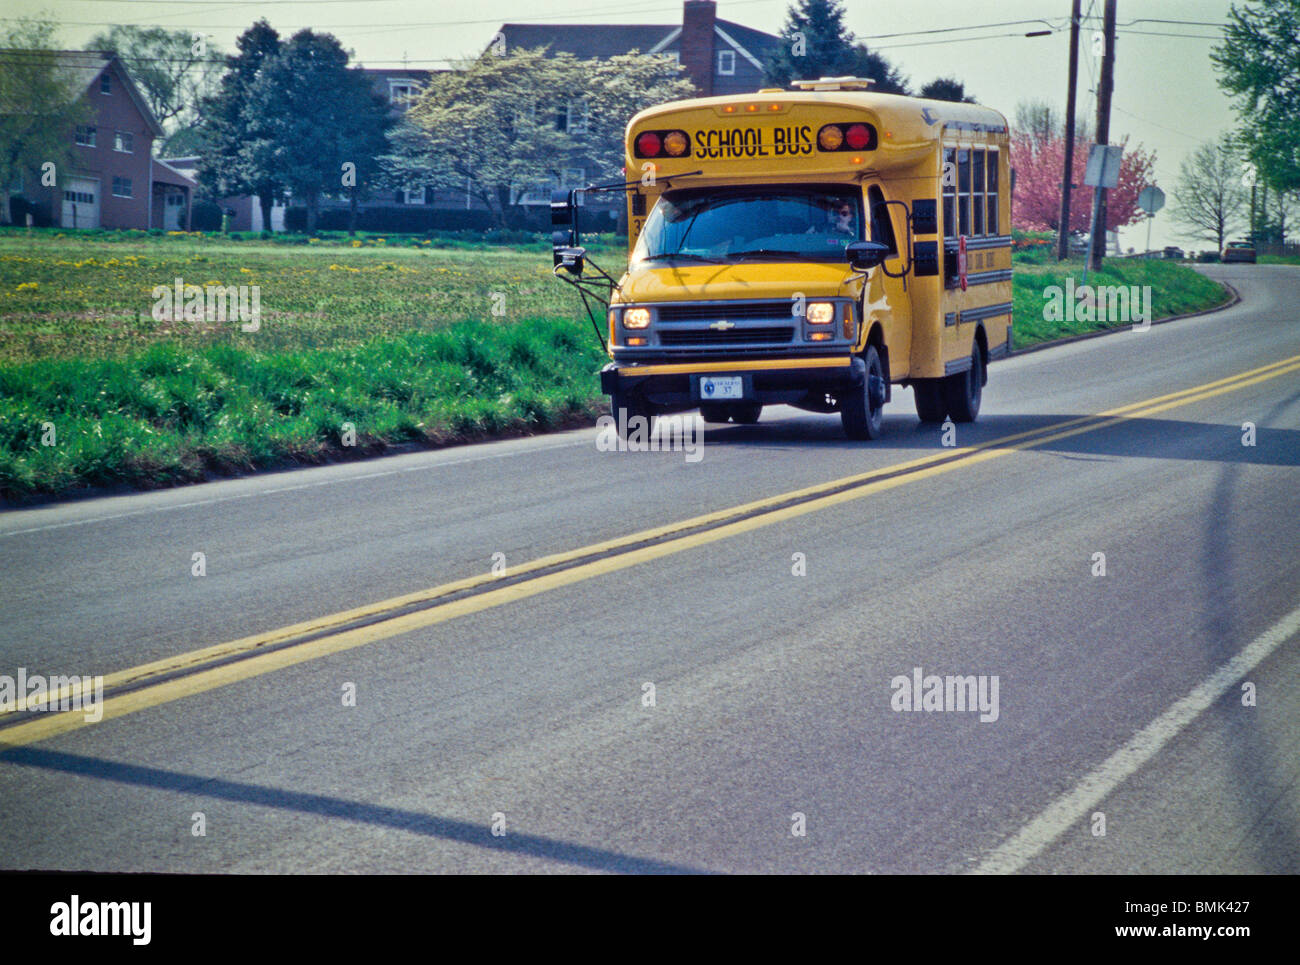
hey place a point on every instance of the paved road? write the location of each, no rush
(523, 701)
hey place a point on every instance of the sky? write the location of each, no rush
(1166, 97)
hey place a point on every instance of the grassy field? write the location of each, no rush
(362, 344)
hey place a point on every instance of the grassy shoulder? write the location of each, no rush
(360, 347)
(172, 413)
(1166, 288)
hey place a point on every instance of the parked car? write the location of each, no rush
(1239, 251)
(1174, 252)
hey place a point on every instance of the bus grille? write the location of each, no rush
(766, 335)
(728, 311)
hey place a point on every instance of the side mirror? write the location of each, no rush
(564, 232)
(569, 258)
(865, 255)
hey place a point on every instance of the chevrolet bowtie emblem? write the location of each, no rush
(722, 326)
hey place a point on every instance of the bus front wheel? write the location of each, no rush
(862, 410)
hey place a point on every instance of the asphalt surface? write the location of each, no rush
(772, 691)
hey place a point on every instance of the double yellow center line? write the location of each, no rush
(172, 678)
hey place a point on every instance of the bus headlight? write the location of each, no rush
(820, 313)
(636, 318)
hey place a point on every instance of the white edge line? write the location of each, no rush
(288, 489)
(1064, 812)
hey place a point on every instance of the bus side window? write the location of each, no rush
(949, 178)
(963, 190)
(994, 156)
(977, 192)
(882, 228)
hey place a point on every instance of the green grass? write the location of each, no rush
(1175, 289)
(172, 413)
(1279, 259)
(397, 339)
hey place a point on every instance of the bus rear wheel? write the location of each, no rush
(964, 390)
(862, 409)
(931, 402)
(714, 412)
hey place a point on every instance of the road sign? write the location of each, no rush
(1103, 166)
(1151, 200)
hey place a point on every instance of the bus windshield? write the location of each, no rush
(728, 224)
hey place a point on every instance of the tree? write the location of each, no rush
(40, 107)
(502, 123)
(818, 44)
(1259, 65)
(1041, 122)
(174, 69)
(310, 116)
(224, 131)
(1036, 203)
(1210, 198)
(947, 89)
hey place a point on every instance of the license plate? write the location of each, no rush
(732, 387)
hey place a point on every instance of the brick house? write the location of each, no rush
(114, 181)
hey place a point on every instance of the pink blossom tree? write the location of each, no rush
(1036, 203)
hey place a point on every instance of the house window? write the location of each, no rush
(79, 197)
(401, 94)
(726, 62)
(85, 135)
(413, 194)
(122, 188)
(122, 141)
(106, 83)
(576, 119)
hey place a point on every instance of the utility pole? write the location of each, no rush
(1105, 87)
(1063, 234)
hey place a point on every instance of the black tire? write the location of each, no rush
(633, 406)
(963, 391)
(745, 413)
(862, 409)
(931, 400)
(714, 412)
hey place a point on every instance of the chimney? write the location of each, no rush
(696, 43)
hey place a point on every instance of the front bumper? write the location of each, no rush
(801, 381)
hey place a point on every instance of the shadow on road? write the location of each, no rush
(1144, 437)
(449, 829)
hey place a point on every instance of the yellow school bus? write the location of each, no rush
(810, 247)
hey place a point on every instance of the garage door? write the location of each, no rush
(81, 203)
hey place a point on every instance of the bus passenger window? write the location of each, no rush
(949, 176)
(977, 192)
(963, 191)
(993, 192)
(882, 228)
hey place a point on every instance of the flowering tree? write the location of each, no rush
(1036, 203)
